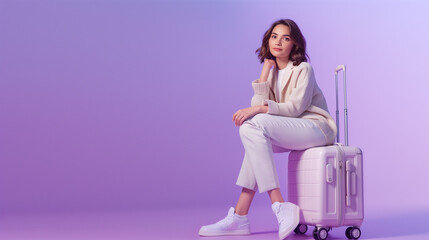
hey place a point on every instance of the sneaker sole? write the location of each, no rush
(284, 235)
(231, 233)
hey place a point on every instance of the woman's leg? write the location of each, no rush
(244, 201)
(275, 195)
(258, 170)
(246, 197)
(259, 134)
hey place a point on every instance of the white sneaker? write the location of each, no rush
(288, 216)
(232, 224)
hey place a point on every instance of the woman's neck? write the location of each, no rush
(282, 62)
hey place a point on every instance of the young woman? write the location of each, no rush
(288, 112)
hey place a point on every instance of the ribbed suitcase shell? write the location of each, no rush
(327, 184)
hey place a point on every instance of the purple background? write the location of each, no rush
(110, 105)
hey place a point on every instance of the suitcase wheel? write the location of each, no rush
(320, 233)
(353, 233)
(301, 229)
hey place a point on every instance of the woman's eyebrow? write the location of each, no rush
(283, 34)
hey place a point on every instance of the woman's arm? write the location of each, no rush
(301, 96)
(263, 109)
(261, 86)
(241, 115)
(268, 64)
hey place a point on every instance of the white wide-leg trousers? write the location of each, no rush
(264, 134)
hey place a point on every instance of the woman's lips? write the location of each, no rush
(277, 49)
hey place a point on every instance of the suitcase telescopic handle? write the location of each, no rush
(346, 131)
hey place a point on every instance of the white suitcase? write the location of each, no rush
(327, 184)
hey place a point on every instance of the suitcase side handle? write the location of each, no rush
(346, 131)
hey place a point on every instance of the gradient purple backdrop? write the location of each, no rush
(128, 104)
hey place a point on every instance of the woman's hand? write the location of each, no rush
(268, 64)
(243, 114)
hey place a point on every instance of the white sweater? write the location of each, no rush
(299, 97)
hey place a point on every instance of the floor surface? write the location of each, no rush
(184, 224)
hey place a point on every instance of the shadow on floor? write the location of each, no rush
(400, 224)
(396, 224)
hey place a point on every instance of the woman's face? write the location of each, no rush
(280, 42)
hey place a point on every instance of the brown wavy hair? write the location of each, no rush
(297, 54)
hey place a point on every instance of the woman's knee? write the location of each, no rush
(253, 123)
(260, 120)
(260, 117)
(245, 128)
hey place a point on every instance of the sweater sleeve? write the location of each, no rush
(300, 98)
(261, 93)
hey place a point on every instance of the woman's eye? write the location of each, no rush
(286, 39)
(273, 36)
